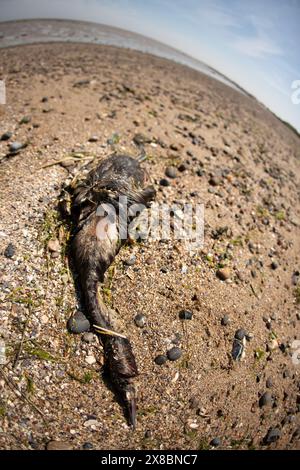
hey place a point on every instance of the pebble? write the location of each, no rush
(272, 345)
(6, 136)
(93, 138)
(140, 320)
(9, 250)
(78, 323)
(272, 435)
(274, 265)
(59, 445)
(141, 139)
(25, 120)
(171, 172)
(90, 360)
(15, 147)
(164, 182)
(185, 315)
(225, 320)
(286, 374)
(174, 353)
(265, 400)
(54, 245)
(91, 423)
(182, 167)
(87, 446)
(215, 181)
(223, 274)
(295, 278)
(269, 382)
(215, 442)
(200, 172)
(160, 360)
(44, 319)
(130, 261)
(88, 338)
(240, 334)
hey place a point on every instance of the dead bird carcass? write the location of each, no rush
(100, 209)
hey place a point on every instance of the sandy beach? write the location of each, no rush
(69, 105)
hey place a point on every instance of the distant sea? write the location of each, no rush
(13, 33)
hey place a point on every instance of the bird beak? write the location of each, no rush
(131, 409)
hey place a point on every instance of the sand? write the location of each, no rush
(242, 163)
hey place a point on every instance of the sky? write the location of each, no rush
(254, 43)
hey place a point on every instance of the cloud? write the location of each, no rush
(257, 46)
(217, 16)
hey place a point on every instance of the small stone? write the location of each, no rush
(141, 139)
(93, 138)
(160, 360)
(91, 423)
(83, 82)
(182, 167)
(14, 147)
(269, 382)
(224, 274)
(185, 315)
(240, 334)
(295, 278)
(274, 265)
(265, 400)
(164, 182)
(225, 320)
(174, 353)
(249, 336)
(87, 446)
(215, 442)
(9, 250)
(272, 345)
(140, 320)
(88, 338)
(25, 120)
(6, 136)
(215, 181)
(171, 172)
(59, 445)
(130, 261)
(272, 435)
(286, 374)
(90, 360)
(78, 323)
(54, 245)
